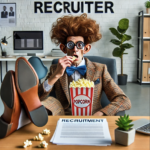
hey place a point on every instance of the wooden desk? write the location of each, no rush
(16, 139)
(6, 59)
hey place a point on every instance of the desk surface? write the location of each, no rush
(16, 139)
(47, 58)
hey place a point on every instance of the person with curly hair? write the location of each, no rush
(75, 34)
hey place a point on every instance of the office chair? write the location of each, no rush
(111, 66)
(39, 67)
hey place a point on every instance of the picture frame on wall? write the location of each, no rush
(8, 14)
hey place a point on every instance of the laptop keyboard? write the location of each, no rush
(144, 129)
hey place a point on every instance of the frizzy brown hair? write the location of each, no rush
(75, 26)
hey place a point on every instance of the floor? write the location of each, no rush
(138, 94)
(140, 99)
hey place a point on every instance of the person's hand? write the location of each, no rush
(98, 113)
(63, 62)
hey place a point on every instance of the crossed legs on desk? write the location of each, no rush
(14, 91)
(10, 118)
(21, 87)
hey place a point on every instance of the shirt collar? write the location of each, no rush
(82, 63)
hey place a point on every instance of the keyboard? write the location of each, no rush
(142, 125)
(144, 129)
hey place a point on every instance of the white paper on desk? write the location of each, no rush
(52, 139)
(82, 132)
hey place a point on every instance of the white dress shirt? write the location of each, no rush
(75, 76)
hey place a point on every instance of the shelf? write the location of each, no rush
(143, 81)
(144, 38)
(143, 66)
(146, 60)
(139, 59)
(145, 15)
(46, 58)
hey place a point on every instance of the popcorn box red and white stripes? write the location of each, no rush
(81, 101)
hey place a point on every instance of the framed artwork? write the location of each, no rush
(8, 14)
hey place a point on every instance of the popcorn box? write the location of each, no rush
(81, 101)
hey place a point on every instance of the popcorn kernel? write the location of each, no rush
(73, 58)
(38, 138)
(45, 131)
(82, 83)
(43, 144)
(27, 143)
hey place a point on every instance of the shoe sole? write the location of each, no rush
(27, 85)
(10, 118)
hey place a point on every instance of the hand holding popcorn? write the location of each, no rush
(27, 143)
(45, 131)
(38, 138)
(43, 144)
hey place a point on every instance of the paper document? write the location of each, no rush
(86, 131)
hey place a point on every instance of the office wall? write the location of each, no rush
(28, 20)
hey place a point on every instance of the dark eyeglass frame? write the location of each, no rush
(74, 45)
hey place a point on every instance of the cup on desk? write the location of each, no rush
(4, 54)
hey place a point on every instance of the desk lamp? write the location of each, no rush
(4, 42)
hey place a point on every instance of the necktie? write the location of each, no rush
(72, 69)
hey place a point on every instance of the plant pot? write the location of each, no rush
(4, 53)
(122, 80)
(124, 137)
(148, 10)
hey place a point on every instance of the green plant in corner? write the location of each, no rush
(122, 37)
(147, 4)
(124, 123)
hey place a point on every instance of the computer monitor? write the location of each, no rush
(30, 42)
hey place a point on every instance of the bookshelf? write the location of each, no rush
(143, 60)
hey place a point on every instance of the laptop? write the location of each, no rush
(142, 126)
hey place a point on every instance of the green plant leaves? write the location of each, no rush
(116, 42)
(117, 52)
(124, 123)
(116, 33)
(124, 24)
(125, 37)
(147, 4)
(122, 27)
(121, 30)
(126, 46)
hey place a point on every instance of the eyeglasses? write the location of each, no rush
(79, 45)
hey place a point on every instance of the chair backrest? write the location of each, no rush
(39, 67)
(111, 66)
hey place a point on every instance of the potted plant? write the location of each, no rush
(124, 134)
(119, 51)
(147, 5)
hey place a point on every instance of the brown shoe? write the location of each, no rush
(27, 85)
(12, 109)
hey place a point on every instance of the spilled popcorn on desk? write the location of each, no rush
(43, 144)
(45, 131)
(38, 138)
(27, 143)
